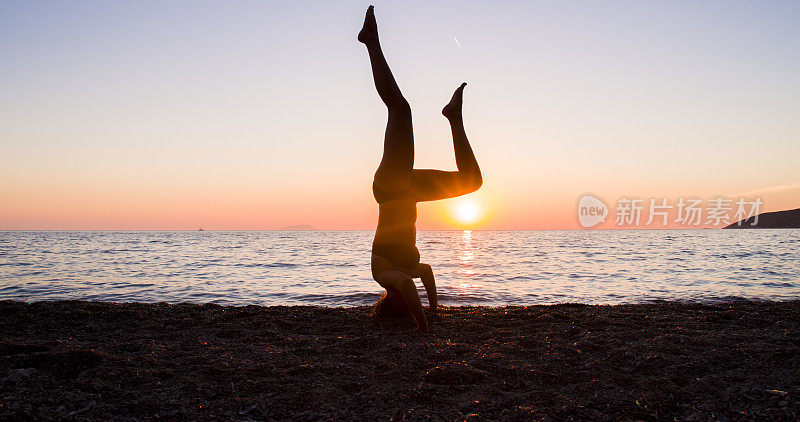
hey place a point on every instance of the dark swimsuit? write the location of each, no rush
(400, 255)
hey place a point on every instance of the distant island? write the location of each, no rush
(789, 219)
(297, 227)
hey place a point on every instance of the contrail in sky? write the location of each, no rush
(456, 40)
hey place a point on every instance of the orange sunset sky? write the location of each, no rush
(259, 115)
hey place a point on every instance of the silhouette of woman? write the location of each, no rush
(398, 187)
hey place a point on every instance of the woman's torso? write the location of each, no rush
(397, 219)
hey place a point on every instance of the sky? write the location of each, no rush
(259, 115)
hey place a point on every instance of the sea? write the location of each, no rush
(332, 268)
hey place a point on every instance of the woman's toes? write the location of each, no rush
(369, 32)
(453, 108)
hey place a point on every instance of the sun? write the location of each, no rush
(467, 212)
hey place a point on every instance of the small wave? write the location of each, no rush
(268, 265)
(779, 284)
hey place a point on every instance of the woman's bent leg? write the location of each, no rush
(433, 185)
(465, 158)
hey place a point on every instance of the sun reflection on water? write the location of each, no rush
(466, 260)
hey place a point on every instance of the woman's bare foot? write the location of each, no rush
(369, 32)
(453, 109)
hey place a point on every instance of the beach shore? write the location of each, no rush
(99, 361)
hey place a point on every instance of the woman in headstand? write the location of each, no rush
(398, 187)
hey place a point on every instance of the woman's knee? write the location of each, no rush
(470, 180)
(399, 108)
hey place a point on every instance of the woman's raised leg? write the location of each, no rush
(432, 185)
(394, 172)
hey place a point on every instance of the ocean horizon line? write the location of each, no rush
(372, 230)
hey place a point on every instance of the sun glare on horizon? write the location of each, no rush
(467, 212)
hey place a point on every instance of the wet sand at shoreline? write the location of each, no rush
(665, 361)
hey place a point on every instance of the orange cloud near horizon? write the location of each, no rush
(162, 209)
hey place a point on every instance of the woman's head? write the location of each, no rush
(390, 305)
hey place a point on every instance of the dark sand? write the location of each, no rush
(98, 361)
